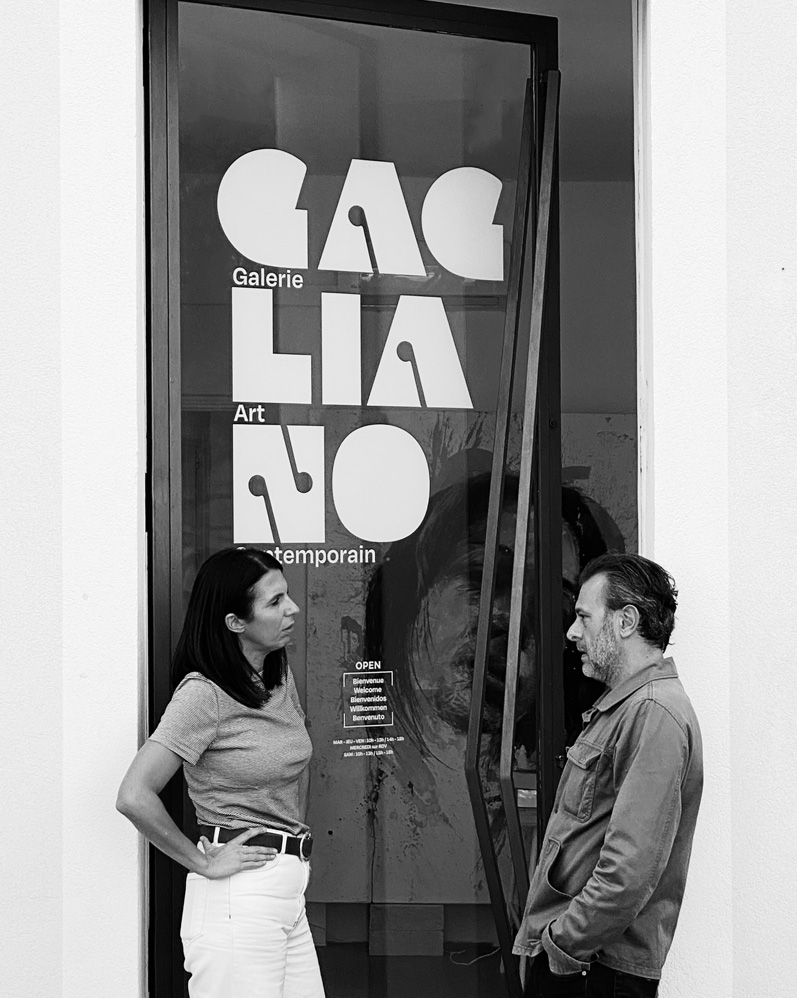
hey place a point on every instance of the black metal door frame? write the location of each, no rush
(528, 311)
(164, 488)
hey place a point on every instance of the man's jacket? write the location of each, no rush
(612, 869)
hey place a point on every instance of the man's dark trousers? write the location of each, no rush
(597, 982)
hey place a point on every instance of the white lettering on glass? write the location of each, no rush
(259, 374)
(257, 208)
(420, 348)
(380, 483)
(457, 221)
(260, 455)
(340, 349)
(374, 187)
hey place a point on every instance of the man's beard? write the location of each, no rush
(604, 659)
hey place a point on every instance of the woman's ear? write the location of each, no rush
(234, 623)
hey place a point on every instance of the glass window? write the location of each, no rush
(346, 198)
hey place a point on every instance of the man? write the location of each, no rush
(605, 896)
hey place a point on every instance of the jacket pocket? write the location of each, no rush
(545, 902)
(578, 791)
(550, 889)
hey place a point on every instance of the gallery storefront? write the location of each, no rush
(337, 386)
(355, 363)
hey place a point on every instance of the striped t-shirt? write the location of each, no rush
(245, 767)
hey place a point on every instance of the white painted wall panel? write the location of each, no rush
(687, 355)
(103, 459)
(72, 438)
(31, 571)
(762, 388)
(721, 345)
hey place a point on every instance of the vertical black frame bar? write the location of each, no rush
(526, 300)
(164, 512)
(551, 728)
(531, 317)
(521, 265)
(164, 542)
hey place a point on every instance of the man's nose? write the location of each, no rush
(574, 632)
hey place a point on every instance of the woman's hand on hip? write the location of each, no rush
(233, 856)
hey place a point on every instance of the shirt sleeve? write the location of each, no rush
(650, 756)
(191, 720)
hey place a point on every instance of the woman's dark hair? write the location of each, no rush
(637, 581)
(225, 584)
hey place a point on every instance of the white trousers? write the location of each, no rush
(247, 936)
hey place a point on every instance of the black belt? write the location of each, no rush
(293, 845)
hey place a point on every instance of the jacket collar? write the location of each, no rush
(658, 670)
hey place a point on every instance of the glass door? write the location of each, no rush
(354, 364)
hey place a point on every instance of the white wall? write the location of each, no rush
(72, 577)
(31, 725)
(762, 388)
(719, 306)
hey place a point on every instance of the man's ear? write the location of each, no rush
(234, 623)
(628, 618)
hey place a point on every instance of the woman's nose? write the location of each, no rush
(292, 608)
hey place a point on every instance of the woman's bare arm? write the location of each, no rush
(139, 800)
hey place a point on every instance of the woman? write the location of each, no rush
(236, 726)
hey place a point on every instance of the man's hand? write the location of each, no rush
(562, 965)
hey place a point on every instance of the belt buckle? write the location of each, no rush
(305, 845)
(278, 831)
